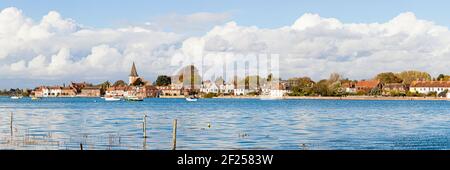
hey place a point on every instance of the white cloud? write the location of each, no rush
(316, 46)
(60, 48)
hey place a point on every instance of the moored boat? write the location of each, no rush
(35, 98)
(192, 98)
(112, 98)
(134, 98)
(189, 99)
(16, 97)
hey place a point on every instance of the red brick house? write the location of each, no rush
(366, 86)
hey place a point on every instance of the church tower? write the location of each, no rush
(133, 75)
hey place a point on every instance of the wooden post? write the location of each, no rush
(144, 126)
(81, 146)
(174, 135)
(11, 123)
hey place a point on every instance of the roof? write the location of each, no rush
(118, 88)
(368, 83)
(430, 84)
(394, 85)
(133, 72)
(91, 88)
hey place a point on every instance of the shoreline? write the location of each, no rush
(301, 98)
(341, 98)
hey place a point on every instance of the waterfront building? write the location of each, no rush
(226, 89)
(241, 91)
(209, 87)
(366, 86)
(169, 90)
(274, 88)
(150, 91)
(54, 91)
(90, 92)
(349, 87)
(391, 88)
(425, 87)
(40, 91)
(117, 91)
(68, 92)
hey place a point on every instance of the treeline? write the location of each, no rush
(334, 85)
(15, 92)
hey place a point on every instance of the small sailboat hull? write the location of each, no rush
(112, 99)
(16, 97)
(191, 99)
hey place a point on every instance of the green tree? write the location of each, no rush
(388, 77)
(443, 77)
(321, 88)
(119, 83)
(163, 80)
(409, 76)
(104, 86)
(443, 93)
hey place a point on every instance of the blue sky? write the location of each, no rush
(265, 14)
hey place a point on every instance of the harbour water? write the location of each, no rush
(65, 123)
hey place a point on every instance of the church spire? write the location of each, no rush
(133, 71)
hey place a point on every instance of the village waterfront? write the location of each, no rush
(220, 123)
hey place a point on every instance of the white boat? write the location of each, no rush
(35, 98)
(134, 98)
(191, 99)
(112, 98)
(16, 97)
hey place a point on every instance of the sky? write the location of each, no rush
(53, 42)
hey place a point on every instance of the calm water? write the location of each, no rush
(64, 123)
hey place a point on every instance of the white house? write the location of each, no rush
(209, 87)
(241, 91)
(426, 87)
(274, 89)
(52, 91)
(226, 88)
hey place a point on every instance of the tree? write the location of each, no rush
(409, 76)
(119, 83)
(388, 77)
(301, 86)
(104, 86)
(219, 81)
(301, 82)
(138, 82)
(163, 80)
(322, 89)
(334, 77)
(269, 77)
(443, 93)
(443, 77)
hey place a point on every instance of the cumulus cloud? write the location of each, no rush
(316, 46)
(60, 48)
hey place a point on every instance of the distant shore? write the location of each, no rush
(305, 97)
(339, 98)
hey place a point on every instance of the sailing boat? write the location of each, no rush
(112, 98)
(16, 97)
(191, 99)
